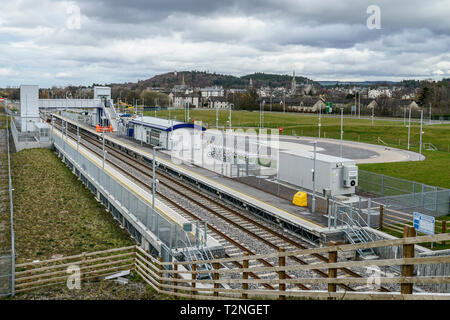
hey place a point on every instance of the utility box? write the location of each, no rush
(350, 176)
(338, 176)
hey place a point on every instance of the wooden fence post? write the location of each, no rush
(245, 277)
(83, 262)
(216, 276)
(160, 274)
(194, 277)
(408, 252)
(381, 217)
(443, 229)
(282, 274)
(175, 276)
(332, 272)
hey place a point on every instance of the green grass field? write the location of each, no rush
(54, 213)
(433, 171)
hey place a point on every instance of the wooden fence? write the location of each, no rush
(394, 220)
(33, 275)
(183, 279)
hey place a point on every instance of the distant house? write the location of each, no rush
(375, 93)
(216, 91)
(180, 100)
(218, 103)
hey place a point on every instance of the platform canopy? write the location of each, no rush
(164, 124)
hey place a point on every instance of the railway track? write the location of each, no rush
(249, 235)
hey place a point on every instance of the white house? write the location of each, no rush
(179, 101)
(218, 103)
(216, 91)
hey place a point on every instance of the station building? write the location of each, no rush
(161, 132)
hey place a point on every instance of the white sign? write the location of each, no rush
(423, 223)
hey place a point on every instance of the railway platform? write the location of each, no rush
(270, 207)
(131, 204)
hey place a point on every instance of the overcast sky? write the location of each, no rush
(43, 42)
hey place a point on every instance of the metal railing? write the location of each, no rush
(7, 261)
(114, 192)
(383, 185)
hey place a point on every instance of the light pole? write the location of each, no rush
(103, 147)
(313, 205)
(78, 133)
(261, 114)
(373, 114)
(409, 126)
(421, 132)
(404, 115)
(342, 132)
(359, 105)
(430, 114)
(230, 117)
(320, 118)
(154, 176)
(217, 117)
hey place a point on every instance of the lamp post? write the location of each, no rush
(342, 132)
(320, 118)
(156, 222)
(154, 176)
(103, 147)
(359, 105)
(409, 126)
(261, 114)
(217, 118)
(230, 117)
(313, 205)
(421, 132)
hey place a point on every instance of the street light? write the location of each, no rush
(421, 132)
(342, 132)
(313, 205)
(320, 118)
(261, 114)
(409, 126)
(154, 176)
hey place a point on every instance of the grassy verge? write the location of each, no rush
(54, 214)
(136, 289)
(432, 171)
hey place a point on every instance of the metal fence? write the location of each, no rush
(7, 249)
(381, 185)
(172, 237)
(433, 203)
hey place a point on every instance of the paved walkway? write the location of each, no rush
(358, 151)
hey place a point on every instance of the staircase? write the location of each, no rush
(354, 230)
(355, 236)
(110, 112)
(198, 252)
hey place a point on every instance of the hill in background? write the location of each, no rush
(204, 79)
